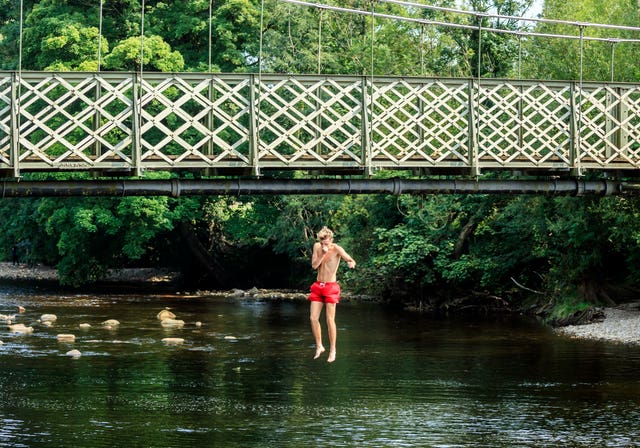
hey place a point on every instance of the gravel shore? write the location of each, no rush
(10, 271)
(22, 272)
(620, 324)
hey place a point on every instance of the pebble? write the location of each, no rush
(110, 323)
(172, 323)
(74, 353)
(20, 328)
(165, 314)
(66, 338)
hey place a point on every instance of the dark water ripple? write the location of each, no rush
(246, 378)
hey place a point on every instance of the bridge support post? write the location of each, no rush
(574, 131)
(618, 135)
(367, 118)
(209, 122)
(136, 118)
(15, 125)
(97, 117)
(472, 123)
(254, 126)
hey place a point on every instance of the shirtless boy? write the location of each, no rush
(326, 290)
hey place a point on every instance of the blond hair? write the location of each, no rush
(325, 233)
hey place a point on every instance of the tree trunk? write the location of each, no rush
(205, 262)
(467, 230)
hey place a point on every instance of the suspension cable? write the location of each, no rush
(21, 29)
(472, 27)
(479, 48)
(142, 40)
(373, 35)
(519, 57)
(210, 34)
(100, 36)
(260, 54)
(613, 53)
(320, 11)
(517, 18)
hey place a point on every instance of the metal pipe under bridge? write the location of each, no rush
(238, 187)
(249, 124)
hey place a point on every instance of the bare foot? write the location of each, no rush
(332, 356)
(319, 351)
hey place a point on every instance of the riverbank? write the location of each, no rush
(619, 324)
(129, 278)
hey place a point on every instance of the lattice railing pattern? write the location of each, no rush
(420, 123)
(524, 125)
(610, 127)
(133, 122)
(310, 121)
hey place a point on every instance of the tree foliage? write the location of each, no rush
(420, 247)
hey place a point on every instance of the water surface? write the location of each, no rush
(246, 378)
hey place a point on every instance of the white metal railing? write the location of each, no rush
(163, 121)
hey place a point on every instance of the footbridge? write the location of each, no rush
(251, 125)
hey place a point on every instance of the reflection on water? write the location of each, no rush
(246, 377)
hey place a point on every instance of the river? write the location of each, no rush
(246, 378)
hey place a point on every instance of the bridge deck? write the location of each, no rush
(129, 123)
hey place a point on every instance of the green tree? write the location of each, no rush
(157, 55)
(58, 36)
(561, 58)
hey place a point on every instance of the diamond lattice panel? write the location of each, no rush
(65, 119)
(523, 125)
(5, 121)
(310, 120)
(191, 121)
(609, 129)
(420, 123)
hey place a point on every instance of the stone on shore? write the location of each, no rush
(169, 323)
(74, 353)
(20, 328)
(165, 314)
(66, 338)
(111, 323)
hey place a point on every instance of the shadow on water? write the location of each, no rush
(246, 377)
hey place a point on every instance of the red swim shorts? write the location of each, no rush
(327, 292)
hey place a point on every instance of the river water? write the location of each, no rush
(246, 378)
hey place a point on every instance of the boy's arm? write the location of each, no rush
(346, 257)
(318, 256)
